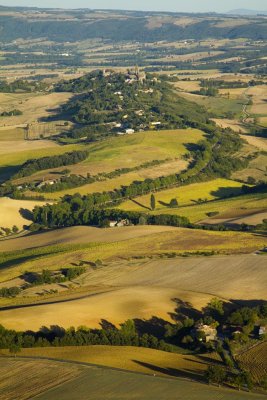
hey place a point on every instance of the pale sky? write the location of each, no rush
(147, 5)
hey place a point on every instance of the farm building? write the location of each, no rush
(118, 224)
(205, 333)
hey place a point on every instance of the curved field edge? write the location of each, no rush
(136, 359)
(105, 383)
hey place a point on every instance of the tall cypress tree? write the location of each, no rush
(152, 202)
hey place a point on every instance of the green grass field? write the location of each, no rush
(229, 208)
(186, 195)
(218, 106)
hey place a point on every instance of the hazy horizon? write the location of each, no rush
(150, 5)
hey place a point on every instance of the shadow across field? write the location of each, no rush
(225, 192)
(7, 172)
(174, 372)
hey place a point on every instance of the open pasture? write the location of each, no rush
(217, 106)
(235, 207)
(127, 152)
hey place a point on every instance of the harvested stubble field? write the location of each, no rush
(176, 242)
(99, 383)
(33, 106)
(10, 214)
(136, 359)
(80, 234)
(24, 379)
(143, 289)
(255, 361)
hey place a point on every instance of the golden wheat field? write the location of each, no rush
(148, 361)
(123, 289)
(11, 212)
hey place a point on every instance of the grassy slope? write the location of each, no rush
(130, 358)
(187, 195)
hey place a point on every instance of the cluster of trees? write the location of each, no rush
(9, 292)
(48, 277)
(108, 100)
(127, 335)
(220, 375)
(34, 165)
(10, 113)
(77, 210)
(21, 85)
(8, 231)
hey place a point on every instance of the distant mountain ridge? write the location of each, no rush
(246, 12)
(61, 26)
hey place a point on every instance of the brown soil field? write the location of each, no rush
(143, 289)
(131, 358)
(22, 380)
(255, 361)
(78, 234)
(10, 212)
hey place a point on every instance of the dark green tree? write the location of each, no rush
(152, 202)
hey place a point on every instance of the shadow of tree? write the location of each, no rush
(184, 310)
(154, 326)
(27, 214)
(175, 372)
(223, 192)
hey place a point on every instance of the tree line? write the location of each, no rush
(34, 165)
